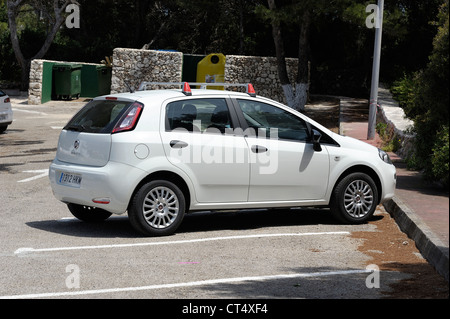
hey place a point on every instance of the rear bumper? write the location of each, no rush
(113, 183)
(6, 117)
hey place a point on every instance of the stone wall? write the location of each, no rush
(132, 66)
(262, 72)
(398, 126)
(35, 86)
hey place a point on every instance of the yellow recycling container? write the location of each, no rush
(212, 70)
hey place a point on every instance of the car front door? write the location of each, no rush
(198, 138)
(284, 165)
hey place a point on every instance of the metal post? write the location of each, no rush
(375, 72)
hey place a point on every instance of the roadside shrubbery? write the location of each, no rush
(424, 97)
(440, 156)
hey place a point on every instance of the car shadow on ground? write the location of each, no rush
(311, 283)
(196, 222)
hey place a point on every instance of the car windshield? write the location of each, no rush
(99, 116)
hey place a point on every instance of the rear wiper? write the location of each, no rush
(77, 128)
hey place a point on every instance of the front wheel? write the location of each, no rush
(157, 209)
(354, 199)
(87, 213)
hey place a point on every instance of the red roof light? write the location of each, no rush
(251, 90)
(187, 89)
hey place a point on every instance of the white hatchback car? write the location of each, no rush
(159, 154)
(6, 113)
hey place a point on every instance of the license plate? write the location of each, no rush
(69, 179)
(2, 117)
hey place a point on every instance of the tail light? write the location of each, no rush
(129, 119)
(7, 100)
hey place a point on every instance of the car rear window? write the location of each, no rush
(2, 93)
(98, 116)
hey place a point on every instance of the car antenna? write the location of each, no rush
(129, 87)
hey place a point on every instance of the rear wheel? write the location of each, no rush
(354, 199)
(157, 209)
(87, 213)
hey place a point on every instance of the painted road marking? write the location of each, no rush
(187, 284)
(42, 173)
(28, 111)
(25, 250)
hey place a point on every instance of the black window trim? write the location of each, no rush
(238, 122)
(235, 123)
(243, 123)
(245, 127)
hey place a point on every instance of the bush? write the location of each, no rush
(425, 99)
(403, 90)
(440, 156)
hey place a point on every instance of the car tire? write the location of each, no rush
(354, 199)
(157, 208)
(87, 213)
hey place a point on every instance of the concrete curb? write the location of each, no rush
(429, 245)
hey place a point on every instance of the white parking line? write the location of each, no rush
(25, 250)
(187, 284)
(28, 111)
(43, 173)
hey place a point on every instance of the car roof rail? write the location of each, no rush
(186, 86)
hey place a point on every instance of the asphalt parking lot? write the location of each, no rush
(255, 254)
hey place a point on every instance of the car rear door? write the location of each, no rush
(199, 138)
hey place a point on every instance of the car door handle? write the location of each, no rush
(259, 149)
(178, 144)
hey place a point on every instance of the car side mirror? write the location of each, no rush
(316, 140)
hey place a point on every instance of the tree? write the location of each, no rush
(51, 11)
(429, 108)
(296, 95)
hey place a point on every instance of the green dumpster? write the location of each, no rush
(104, 80)
(95, 80)
(67, 80)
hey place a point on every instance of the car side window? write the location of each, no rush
(198, 115)
(272, 121)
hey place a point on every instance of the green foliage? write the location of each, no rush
(341, 46)
(9, 68)
(403, 90)
(425, 99)
(440, 158)
(391, 142)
